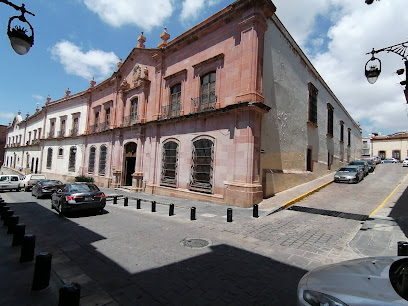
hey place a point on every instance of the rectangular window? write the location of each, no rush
(396, 154)
(175, 100)
(349, 137)
(330, 120)
(309, 161)
(381, 154)
(312, 104)
(341, 131)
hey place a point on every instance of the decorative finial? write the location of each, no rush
(37, 109)
(19, 112)
(92, 82)
(119, 63)
(67, 92)
(165, 37)
(141, 39)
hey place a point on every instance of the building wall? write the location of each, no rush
(390, 144)
(286, 132)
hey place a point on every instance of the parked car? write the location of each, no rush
(363, 281)
(78, 196)
(349, 174)
(377, 159)
(361, 163)
(45, 187)
(390, 160)
(10, 182)
(29, 180)
(371, 165)
(405, 162)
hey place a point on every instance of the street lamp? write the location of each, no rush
(373, 70)
(20, 41)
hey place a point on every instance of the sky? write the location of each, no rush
(77, 40)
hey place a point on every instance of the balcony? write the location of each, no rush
(104, 126)
(60, 134)
(73, 132)
(130, 120)
(100, 127)
(51, 134)
(35, 141)
(203, 103)
(168, 112)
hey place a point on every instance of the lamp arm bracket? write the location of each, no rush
(400, 49)
(17, 8)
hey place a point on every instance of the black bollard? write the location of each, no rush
(11, 223)
(229, 215)
(138, 203)
(402, 248)
(255, 211)
(18, 235)
(3, 210)
(171, 210)
(193, 213)
(153, 206)
(27, 249)
(42, 271)
(69, 295)
(115, 200)
(125, 202)
(6, 216)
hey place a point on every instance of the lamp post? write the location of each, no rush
(373, 65)
(20, 41)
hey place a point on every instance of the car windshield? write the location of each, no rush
(83, 188)
(398, 272)
(48, 183)
(347, 170)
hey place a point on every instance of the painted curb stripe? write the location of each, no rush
(291, 202)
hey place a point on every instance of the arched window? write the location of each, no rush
(208, 97)
(49, 158)
(175, 98)
(102, 159)
(169, 164)
(91, 164)
(202, 166)
(60, 152)
(72, 159)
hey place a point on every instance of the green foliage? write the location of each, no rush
(84, 178)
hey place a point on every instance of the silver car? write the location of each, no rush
(364, 281)
(349, 174)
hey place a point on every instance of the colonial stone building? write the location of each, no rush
(231, 111)
(386, 146)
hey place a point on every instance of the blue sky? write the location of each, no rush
(76, 40)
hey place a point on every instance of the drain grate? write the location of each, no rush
(195, 243)
(331, 213)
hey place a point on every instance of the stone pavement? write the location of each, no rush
(277, 233)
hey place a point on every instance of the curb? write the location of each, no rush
(301, 197)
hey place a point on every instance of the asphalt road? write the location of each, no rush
(125, 257)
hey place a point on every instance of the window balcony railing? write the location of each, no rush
(73, 132)
(51, 134)
(60, 134)
(100, 127)
(35, 141)
(167, 112)
(203, 103)
(94, 128)
(104, 126)
(130, 120)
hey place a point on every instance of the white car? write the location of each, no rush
(364, 281)
(9, 182)
(28, 181)
(405, 162)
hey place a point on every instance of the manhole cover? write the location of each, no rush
(195, 243)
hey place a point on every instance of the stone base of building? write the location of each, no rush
(242, 194)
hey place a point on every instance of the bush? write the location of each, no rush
(84, 178)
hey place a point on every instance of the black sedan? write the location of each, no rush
(78, 196)
(45, 187)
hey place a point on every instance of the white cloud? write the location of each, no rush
(93, 63)
(38, 98)
(145, 14)
(192, 9)
(6, 115)
(355, 29)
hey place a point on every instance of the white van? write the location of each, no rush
(28, 181)
(10, 182)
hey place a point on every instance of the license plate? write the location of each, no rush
(88, 199)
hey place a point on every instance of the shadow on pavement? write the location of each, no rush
(223, 275)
